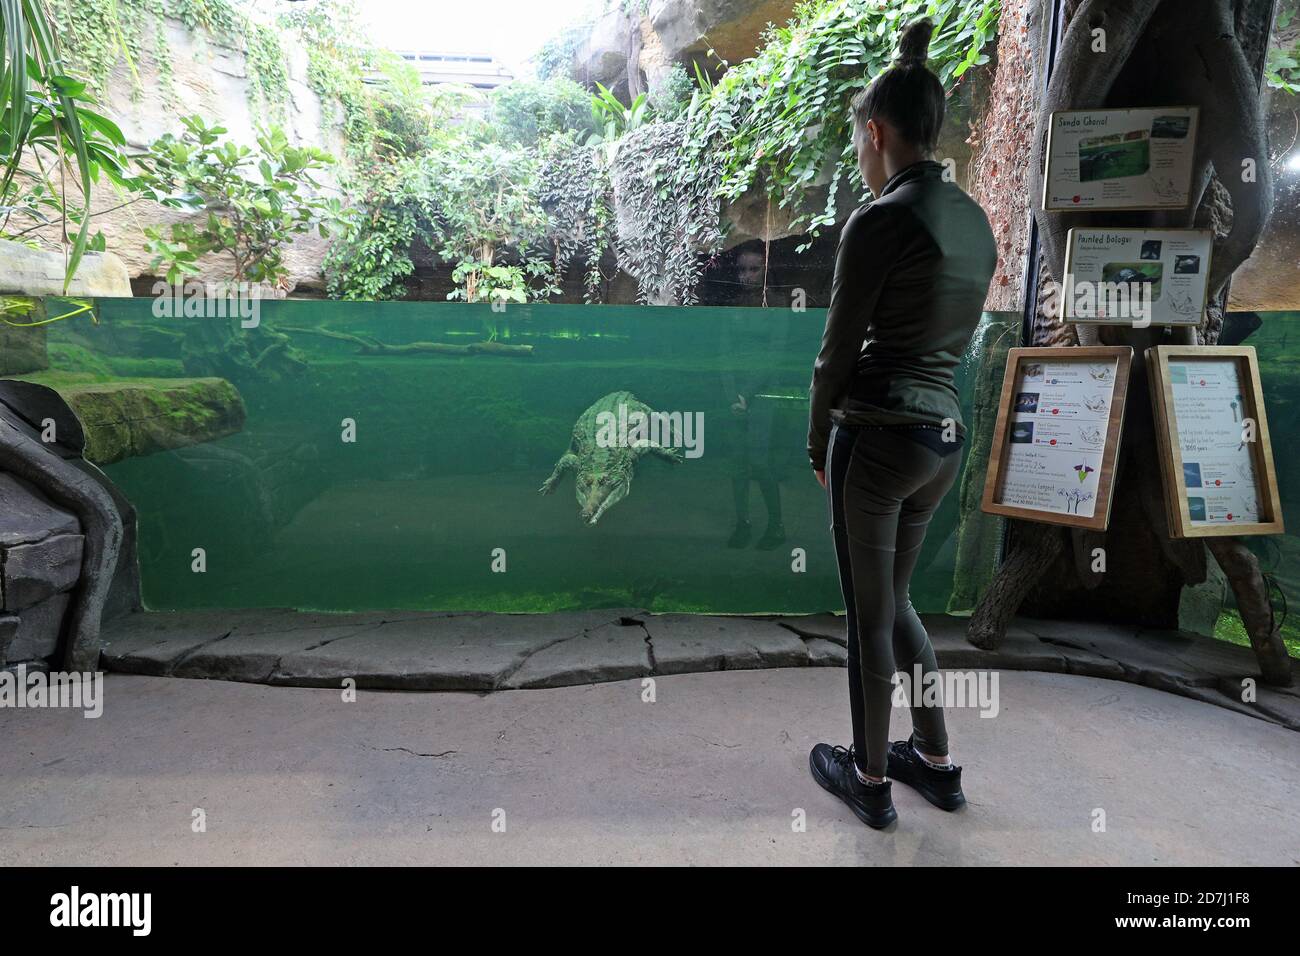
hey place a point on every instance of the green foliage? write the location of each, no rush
(556, 55)
(471, 201)
(266, 66)
(255, 202)
(46, 116)
(336, 63)
(574, 190)
(775, 119)
(1282, 68)
(672, 97)
(669, 214)
(778, 121)
(100, 34)
(370, 256)
(527, 111)
(612, 119)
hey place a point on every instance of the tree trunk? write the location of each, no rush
(1156, 52)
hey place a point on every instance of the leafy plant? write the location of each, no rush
(575, 192)
(471, 201)
(556, 55)
(46, 117)
(252, 203)
(337, 63)
(612, 119)
(776, 119)
(527, 111)
(100, 34)
(669, 216)
(1282, 67)
(672, 97)
(370, 255)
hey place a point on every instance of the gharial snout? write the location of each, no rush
(598, 495)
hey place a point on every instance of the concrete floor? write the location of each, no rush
(713, 772)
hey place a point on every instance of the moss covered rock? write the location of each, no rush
(126, 418)
(22, 350)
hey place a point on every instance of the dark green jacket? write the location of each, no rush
(911, 275)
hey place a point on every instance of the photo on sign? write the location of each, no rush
(1170, 127)
(1216, 457)
(1114, 157)
(1134, 272)
(1057, 435)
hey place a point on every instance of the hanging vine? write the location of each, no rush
(100, 35)
(668, 216)
(574, 189)
(780, 120)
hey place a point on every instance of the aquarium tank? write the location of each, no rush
(348, 456)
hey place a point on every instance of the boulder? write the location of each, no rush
(28, 271)
(33, 572)
(22, 350)
(34, 634)
(731, 28)
(673, 31)
(27, 516)
(134, 417)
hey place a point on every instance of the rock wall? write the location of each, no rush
(620, 46)
(65, 563)
(40, 563)
(1002, 142)
(212, 80)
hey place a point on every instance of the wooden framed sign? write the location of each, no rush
(1215, 455)
(1120, 159)
(1136, 277)
(1057, 434)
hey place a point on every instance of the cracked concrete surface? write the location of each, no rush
(714, 770)
(437, 651)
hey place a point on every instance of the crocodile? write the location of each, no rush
(603, 470)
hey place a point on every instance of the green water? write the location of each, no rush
(450, 452)
(1277, 345)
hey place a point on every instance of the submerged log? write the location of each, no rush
(366, 345)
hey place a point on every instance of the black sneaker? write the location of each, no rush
(940, 787)
(832, 767)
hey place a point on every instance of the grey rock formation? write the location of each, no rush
(619, 49)
(412, 650)
(213, 80)
(61, 533)
(39, 272)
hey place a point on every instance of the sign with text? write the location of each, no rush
(1057, 434)
(1215, 453)
(1120, 159)
(1136, 277)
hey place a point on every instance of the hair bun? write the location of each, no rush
(914, 43)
